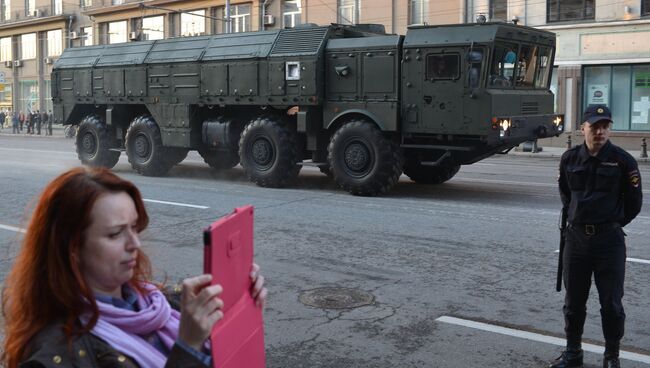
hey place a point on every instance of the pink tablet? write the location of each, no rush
(238, 338)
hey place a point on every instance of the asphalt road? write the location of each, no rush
(479, 248)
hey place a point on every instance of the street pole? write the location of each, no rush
(228, 20)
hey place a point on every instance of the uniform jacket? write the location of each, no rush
(600, 189)
(49, 348)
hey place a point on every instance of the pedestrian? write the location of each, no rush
(45, 122)
(3, 117)
(21, 119)
(50, 120)
(79, 293)
(28, 122)
(600, 188)
(15, 123)
(36, 119)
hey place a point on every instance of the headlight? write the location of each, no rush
(504, 126)
(558, 121)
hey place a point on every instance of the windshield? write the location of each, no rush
(526, 66)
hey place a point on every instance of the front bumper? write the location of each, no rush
(516, 129)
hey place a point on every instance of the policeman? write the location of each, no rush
(600, 188)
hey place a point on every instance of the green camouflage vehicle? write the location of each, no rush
(363, 105)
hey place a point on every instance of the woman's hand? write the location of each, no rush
(200, 310)
(258, 291)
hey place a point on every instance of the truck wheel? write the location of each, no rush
(145, 150)
(94, 142)
(362, 160)
(219, 160)
(268, 152)
(429, 174)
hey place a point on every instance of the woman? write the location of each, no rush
(80, 295)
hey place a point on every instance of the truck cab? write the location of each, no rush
(469, 91)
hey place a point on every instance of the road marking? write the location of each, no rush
(628, 355)
(629, 259)
(176, 204)
(12, 228)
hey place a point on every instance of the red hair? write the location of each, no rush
(45, 284)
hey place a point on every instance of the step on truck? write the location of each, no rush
(362, 105)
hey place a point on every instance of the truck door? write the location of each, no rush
(442, 90)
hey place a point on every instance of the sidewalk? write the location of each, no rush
(57, 132)
(556, 152)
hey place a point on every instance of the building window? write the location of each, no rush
(193, 24)
(417, 11)
(645, 7)
(30, 7)
(54, 42)
(348, 11)
(240, 17)
(5, 49)
(117, 32)
(117, 2)
(498, 10)
(6, 98)
(28, 46)
(291, 12)
(567, 10)
(6, 9)
(85, 3)
(153, 28)
(87, 36)
(625, 89)
(57, 7)
(28, 96)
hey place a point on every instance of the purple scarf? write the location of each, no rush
(122, 328)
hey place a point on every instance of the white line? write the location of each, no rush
(12, 228)
(629, 259)
(176, 204)
(538, 337)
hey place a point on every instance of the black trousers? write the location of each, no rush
(602, 255)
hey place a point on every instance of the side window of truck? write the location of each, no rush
(443, 67)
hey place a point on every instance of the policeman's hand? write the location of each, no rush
(200, 310)
(258, 291)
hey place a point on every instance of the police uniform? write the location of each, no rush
(600, 195)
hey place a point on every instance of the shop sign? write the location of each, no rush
(598, 94)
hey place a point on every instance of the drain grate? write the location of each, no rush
(336, 298)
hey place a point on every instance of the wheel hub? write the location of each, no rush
(89, 143)
(357, 157)
(142, 146)
(262, 152)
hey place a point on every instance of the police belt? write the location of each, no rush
(594, 229)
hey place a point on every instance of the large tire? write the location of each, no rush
(219, 160)
(429, 174)
(94, 143)
(362, 160)
(268, 152)
(145, 150)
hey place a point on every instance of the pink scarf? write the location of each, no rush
(121, 328)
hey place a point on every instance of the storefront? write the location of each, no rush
(625, 89)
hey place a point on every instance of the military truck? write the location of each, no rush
(362, 105)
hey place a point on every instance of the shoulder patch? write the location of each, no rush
(635, 178)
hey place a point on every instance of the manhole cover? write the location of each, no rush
(336, 298)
